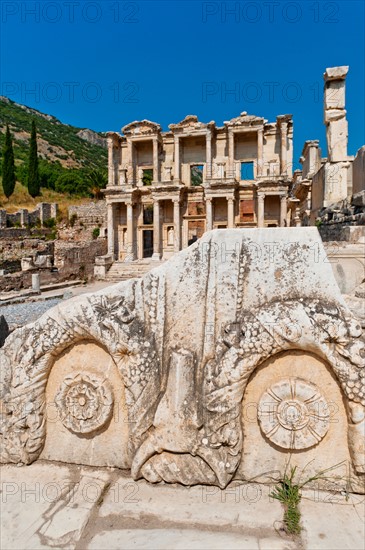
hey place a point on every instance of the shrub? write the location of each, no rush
(96, 232)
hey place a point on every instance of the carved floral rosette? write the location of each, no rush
(293, 414)
(84, 402)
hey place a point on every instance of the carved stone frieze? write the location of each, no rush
(186, 339)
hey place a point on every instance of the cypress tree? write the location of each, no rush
(8, 165)
(33, 173)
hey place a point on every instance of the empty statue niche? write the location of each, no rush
(293, 413)
(86, 413)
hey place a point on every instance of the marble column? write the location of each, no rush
(111, 232)
(209, 214)
(156, 171)
(283, 211)
(260, 210)
(177, 158)
(156, 231)
(131, 174)
(230, 172)
(111, 169)
(260, 151)
(208, 155)
(230, 213)
(283, 147)
(177, 226)
(131, 245)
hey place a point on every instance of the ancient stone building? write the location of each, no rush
(327, 181)
(165, 189)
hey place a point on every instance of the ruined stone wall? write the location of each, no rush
(358, 174)
(12, 251)
(91, 215)
(23, 217)
(77, 259)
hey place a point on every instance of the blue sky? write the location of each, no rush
(103, 64)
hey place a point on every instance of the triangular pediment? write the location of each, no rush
(142, 127)
(245, 120)
(191, 123)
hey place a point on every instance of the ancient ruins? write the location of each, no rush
(239, 354)
(242, 341)
(166, 189)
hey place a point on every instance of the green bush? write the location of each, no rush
(73, 219)
(96, 232)
(51, 223)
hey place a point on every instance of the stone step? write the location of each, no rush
(120, 271)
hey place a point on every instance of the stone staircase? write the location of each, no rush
(121, 271)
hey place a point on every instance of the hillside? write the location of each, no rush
(58, 143)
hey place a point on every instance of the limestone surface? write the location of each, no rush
(152, 374)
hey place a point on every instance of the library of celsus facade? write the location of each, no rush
(165, 189)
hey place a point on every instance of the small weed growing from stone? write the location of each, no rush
(288, 493)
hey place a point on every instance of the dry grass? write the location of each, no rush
(21, 199)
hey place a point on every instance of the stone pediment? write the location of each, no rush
(191, 123)
(143, 127)
(245, 120)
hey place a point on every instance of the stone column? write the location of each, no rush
(111, 170)
(156, 231)
(209, 214)
(208, 155)
(24, 217)
(110, 221)
(260, 210)
(177, 226)
(283, 210)
(130, 253)
(283, 147)
(131, 175)
(335, 115)
(230, 212)
(177, 158)
(156, 171)
(297, 219)
(260, 151)
(230, 171)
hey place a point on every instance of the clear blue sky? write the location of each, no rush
(103, 64)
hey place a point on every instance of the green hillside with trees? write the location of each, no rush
(71, 161)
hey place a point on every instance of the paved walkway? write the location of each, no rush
(54, 505)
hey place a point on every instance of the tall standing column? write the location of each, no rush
(111, 169)
(111, 232)
(177, 226)
(283, 211)
(230, 212)
(209, 214)
(156, 231)
(283, 147)
(209, 155)
(131, 175)
(130, 254)
(230, 173)
(177, 157)
(260, 210)
(260, 152)
(156, 171)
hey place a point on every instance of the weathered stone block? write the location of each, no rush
(185, 344)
